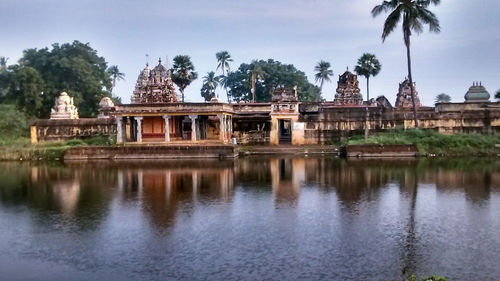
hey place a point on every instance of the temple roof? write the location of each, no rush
(477, 93)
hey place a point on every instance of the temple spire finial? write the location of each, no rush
(159, 60)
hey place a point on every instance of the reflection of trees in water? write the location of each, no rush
(80, 194)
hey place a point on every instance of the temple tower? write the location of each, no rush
(348, 92)
(154, 86)
(403, 99)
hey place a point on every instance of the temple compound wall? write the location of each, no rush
(156, 116)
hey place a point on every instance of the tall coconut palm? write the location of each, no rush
(414, 15)
(323, 73)
(211, 82)
(256, 73)
(115, 75)
(183, 72)
(368, 65)
(223, 58)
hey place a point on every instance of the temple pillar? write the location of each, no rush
(139, 128)
(119, 130)
(193, 126)
(167, 128)
(221, 126)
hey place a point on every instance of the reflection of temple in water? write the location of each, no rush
(287, 174)
(168, 187)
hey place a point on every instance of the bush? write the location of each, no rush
(13, 124)
(430, 141)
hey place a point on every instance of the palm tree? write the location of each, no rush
(415, 15)
(115, 75)
(223, 58)
(183, 72)
(368, 65)
(323, 73)
(210, 82)
(442, 98)
(256, 73)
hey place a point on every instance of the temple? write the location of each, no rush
(156, 117)
(403, 98)
(348, 92)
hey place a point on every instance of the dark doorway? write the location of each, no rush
(285, 131)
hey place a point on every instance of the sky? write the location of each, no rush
(298, 32)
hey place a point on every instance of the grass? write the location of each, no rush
(431, 142)
(20, 148)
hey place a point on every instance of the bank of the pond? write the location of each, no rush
(15, 149)
(432, 143)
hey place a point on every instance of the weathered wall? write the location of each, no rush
(65, 129)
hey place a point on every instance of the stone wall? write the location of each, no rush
(66, 129)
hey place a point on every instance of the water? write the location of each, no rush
(252, 218)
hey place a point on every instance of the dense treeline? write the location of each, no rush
(42, 74)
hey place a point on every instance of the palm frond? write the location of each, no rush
(391, 22)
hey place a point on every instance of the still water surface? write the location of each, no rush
(252, 218)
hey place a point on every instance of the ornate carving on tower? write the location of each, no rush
(284, 100)
(154, 86)
(64, 108)
(348, 92)
(403, 98)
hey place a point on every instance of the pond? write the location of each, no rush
(272, 218)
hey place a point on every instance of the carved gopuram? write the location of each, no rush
(155, 114)
(348, 92)
(403, 98)
(64, 108)
(154, 86)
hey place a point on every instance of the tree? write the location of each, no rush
(25, 90)
(368, 65)
(497, 95)
(256, 73)
(183, 72)
(323, 73)
(3, 63)
(442, 98)
(415, 15)
(210, 83)
(223, 58)
(71, 67)
(115, 75)
(276, 74)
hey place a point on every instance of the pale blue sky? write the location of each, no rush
(300, 32)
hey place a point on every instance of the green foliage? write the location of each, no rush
(75, 68)
(429, 141)
(323, 73)
(368, 65)
(13, 124)
(223, 59)
(115, 74)
(274, 74)
(25, 89)
(442, 98)
(210, 83)
(96, 140)
(183, 72)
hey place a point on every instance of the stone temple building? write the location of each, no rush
(348, 92)
(403, 98)
(154, 86)
(155, 116)
(477, 93)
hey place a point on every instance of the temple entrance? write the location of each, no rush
(285, 131)
(153, 128)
